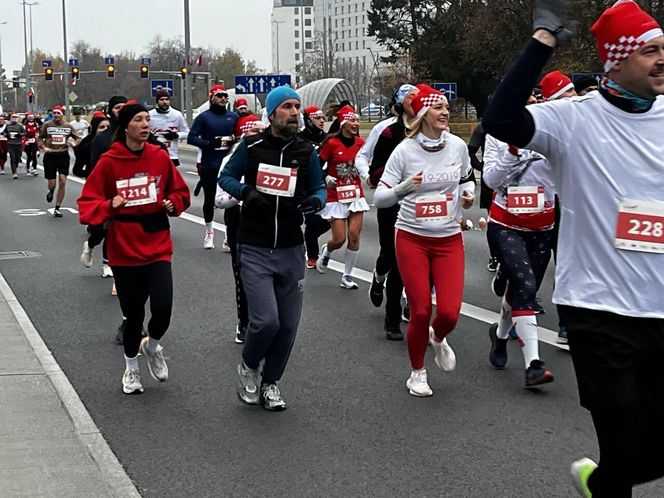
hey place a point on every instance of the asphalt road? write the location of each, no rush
(351, 428)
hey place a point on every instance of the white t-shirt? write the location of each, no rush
(364, 157)
(173, 120)
(81, 128)
(442, 171)
(601, 156)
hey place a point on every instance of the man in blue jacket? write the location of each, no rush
(212, 132)
(282, 182)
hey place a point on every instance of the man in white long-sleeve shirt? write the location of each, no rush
(168, 125)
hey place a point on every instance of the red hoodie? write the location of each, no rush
(127, 242)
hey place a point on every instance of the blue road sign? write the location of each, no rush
(260, 83)
(449, 89)
(73, 62)
(109, 60)
(597, 76)
(157, 85)
(146, 61)
(47, 63)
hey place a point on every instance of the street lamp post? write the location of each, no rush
(26, 70)
(65, 77)
(29, 84)
(277, 23)
(2, 80)
(188, 97)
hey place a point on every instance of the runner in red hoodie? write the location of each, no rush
(135, 187)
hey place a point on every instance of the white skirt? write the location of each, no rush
(339, 211)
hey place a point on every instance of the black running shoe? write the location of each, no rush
(119, 336)
(393, 333)
(538, 309)
(376, 291)
(536, 374)
(499, 282)
(498, 353)
(492, 265)
(49, 196)
(57, 213)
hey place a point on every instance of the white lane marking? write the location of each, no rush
(546, 336)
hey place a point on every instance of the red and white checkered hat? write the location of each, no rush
(313, 111)
(426, 97)
(346, 113)
(246, 123)
(621, 30)
(554, 84)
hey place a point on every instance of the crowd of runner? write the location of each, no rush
(554, 154)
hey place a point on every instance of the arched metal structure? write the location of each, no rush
(320, 92)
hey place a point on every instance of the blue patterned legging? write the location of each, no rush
(523, 258)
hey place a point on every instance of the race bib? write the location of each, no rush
(640, 226)
(276, 180)
(226, 142)
(347, 193)
(12, 134)
(436, 207)
(138, 191)
(58, 139)
(522, 200)
(32, 140)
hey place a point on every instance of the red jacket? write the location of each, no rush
(127, 242)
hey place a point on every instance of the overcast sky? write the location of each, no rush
(118, 25)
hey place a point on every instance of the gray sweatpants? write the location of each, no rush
(273, 281)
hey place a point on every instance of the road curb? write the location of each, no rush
(112, 472)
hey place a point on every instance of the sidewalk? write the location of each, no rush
(49, 445)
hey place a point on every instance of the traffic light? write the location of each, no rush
(75, 73)
(110, 71)
(48, 74)
(145, 71)
(15, 83)
(184, 71)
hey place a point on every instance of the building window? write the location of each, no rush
(335, 11)
(343, 35)
(357, 31)
(297, 22)
(297, 45)
(357, 45)
(343, 21)
(307, 11)
(297, 10)
(297, 57)
(342, 9)
(336, 24)
(307, 22)
(308, 45)
(307, 34)
(297, 33)
(364, 44)
(343, 47)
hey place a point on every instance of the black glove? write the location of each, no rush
(552, 16)
(197, 188)
(171, 135)
(216, 143)
(310, 205)
(254, 199)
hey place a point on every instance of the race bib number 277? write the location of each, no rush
(276, 180)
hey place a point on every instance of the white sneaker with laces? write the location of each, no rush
(208, 241)
(131, 382)
(247, 384)
(86, 255)
(156, 362)
(445, 357)
(348, 283)
(417, 383)
(321, 263)
(106, 271)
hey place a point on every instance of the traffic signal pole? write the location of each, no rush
(188, 96)
(65, 58)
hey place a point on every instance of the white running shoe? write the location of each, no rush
(86, 255)
(224, 246)
(348, 283)
(106, 271)
(208, 241)
(131, 382)
(417, 383)
(248, 384)
(156, 363)
(445, 357)
(321, 264)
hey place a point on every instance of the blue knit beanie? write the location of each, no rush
(277, 96)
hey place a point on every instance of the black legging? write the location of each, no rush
(135, 284)
(523, 258)
(232, 221)
(31, 154)
(14, 156)
(209, 184)
(315, 226)
(97, 236)
(387, 264)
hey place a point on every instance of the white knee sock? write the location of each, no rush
(349, 261)
(526, 328)
(324, 252)
(505, 323)
(132, 363)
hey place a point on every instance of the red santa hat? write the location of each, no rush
(217, 89)
(425, 98)
(622, 30)
(246, 123)
(59, 108)
(346, 113)
(554, 84)
(241, 102)
(314, 111)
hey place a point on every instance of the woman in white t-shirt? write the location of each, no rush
(430, 175)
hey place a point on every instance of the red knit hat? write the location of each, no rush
(346, 113)
(622, 30)
(425, 98)
(59, 108)
(99, 114)
(554, 84)
(246, 123)
(313, 112)
(217, 89)
(241, 102)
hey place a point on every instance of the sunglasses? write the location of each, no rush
(221, 95)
